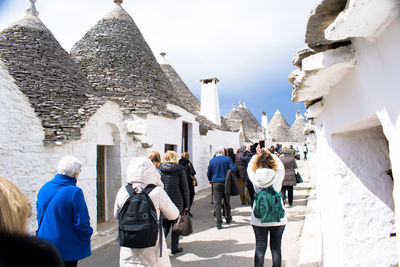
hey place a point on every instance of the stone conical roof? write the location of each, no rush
(297, 129)
(185, 97)
(279, 129)
(251, 126)
(47, 76)
(119, 64)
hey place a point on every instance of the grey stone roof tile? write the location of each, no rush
(48, 76)
(251, 126)
(119, 64)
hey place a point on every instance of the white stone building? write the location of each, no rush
(106, 101)
(347, 78)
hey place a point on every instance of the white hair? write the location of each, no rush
(219, 150)
(68, 166)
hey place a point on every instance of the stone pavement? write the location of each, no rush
(234, 244)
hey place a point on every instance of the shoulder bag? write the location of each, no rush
(183, 225)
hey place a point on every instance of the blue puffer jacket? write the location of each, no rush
(65, 223)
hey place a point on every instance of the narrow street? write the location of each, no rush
(231, 246)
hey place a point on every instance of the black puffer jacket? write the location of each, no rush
(175, 184)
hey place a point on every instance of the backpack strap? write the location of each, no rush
(149, 188)
(130, 190)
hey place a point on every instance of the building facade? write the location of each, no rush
(346, 77)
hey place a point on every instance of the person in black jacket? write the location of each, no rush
(189, 171)
(17, 247)
(175, 184)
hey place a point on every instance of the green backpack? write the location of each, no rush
(268, 206)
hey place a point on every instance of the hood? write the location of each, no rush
(263, 178)
(167, 168)
(142, 170)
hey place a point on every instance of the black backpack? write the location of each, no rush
(138, 224)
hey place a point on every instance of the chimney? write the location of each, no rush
(210, 100)
(162, 60)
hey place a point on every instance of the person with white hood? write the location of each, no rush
(141, 172)
(265, 170)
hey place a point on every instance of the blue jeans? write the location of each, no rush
(261, 234)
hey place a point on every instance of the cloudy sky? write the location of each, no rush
(247, 45)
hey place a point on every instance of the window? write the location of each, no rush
(169, 147)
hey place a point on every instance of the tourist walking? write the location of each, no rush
(62, 214)
(290, 176)
(241, 166)
(246, 157)
(175, 184)
(140, 173)
(266, 170)
(216, 173)
(155, 157)
(305, 151)
(17, 248)
(190, 173)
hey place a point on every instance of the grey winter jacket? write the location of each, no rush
(290, 164)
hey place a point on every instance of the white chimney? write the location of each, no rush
(210, 100)
(264, 126)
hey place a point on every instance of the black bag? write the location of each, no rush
(298, 178)
(183, 225)
(138, 224)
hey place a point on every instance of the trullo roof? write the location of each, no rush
(119, 63)
(47, 76)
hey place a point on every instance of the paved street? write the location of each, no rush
(233, 245)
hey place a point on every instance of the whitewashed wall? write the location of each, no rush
(358, 131)
(25, 161)
(357, 209)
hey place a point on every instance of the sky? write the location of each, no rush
(247, 45)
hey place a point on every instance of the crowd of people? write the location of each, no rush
(64, 232)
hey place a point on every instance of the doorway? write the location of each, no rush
(101, 172)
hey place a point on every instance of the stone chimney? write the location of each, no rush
(210, 100)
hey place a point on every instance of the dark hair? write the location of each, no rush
(264, 160)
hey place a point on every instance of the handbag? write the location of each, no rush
(183, 225)
(298, 178)
(194, 180)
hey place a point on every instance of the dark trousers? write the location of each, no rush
(70, 263)
(289, 189)
(250, 188)
(219, 194)
(191, 196)
(174, 236)
(261, 234)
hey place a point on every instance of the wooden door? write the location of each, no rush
(185, 137)
(100, 184)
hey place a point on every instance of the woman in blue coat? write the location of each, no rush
(62, 214)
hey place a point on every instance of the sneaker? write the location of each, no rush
(219, 226)
(228, 220)
(176, 251)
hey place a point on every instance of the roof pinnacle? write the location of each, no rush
(32, 9)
